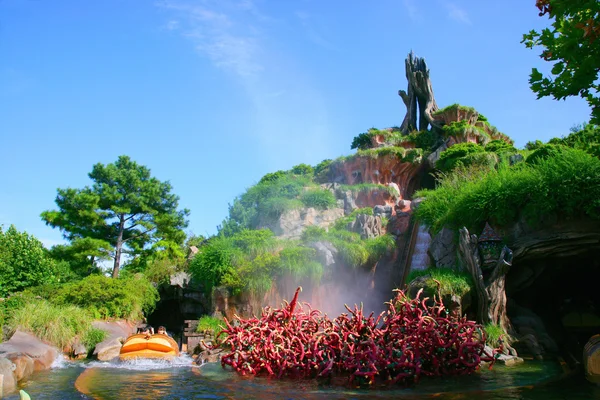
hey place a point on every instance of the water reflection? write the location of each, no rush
(182, 381)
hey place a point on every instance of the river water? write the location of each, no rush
(180, 380)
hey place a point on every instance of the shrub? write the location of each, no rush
(379, 246)
(426, 140)
(585, 137)
(362, 141)
(214, 261)
(313, 234)
(302, 169)
(451, 157)
(212, 324)
(499, 146)
(24, 262)
(567, 185)
(91, 337)
(321, 199)
(454, 106)
(545, 151)
(322, 169)
(105, 297)
(272, 177)
(463, 129)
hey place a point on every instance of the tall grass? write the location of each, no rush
(567, 185)
(451, 282)
(55, 324)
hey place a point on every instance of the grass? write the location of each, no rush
(451, 282)
(211, 324)
(342, 223)
(320, 199)
(55, 324)
(493, 332)
(567, 185)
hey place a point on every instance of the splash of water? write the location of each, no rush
(143, 364)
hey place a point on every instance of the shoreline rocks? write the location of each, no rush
(22, 355)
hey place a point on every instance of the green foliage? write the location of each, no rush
(567, 185)
(493, 332)
(56, 324)
(254, 242)
(481, 118)
(534, 145)
(125, 209)
(300, 262)
(572, 44)
(313, 234)
(499, 146)
(24, 262)
(364, 141)
(379, 246)
(342, 223)
(546, 151)
(269, 198)
(454, 107)
(455, 155)
(464, 129)
(272, 176)
(585, 137)
(426, 140)
(322, 167)
(451, 282)
(214, 261)
(105, 298)
(321, 199)
(91, 337)
(211, 324)
(302, 169)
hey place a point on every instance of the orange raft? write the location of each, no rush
(149, 346)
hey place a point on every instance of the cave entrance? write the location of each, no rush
(564, 292)
(176, 305)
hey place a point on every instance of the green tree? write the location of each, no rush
(125, 210)
(572, 43)
(24, 262)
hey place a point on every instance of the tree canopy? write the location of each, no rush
(125, 210)
(572, 43)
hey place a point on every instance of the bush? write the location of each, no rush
(214, 261)
(546, 151)
(92, 337)
(426, 140)
(272, 177)
(104, 297)
(300, 262)
(453, 156)
(321, 199)
(212, 324)
(24, 262)
(499, 146)
(313, 234)
(302, 169)
(567, 185)
(493, 333)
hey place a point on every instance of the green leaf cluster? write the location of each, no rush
(451, 282)
(24, 262)
(320, 199)
(572, 45)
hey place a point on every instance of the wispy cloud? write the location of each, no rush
(230, 44)
(312, 32)
(238, 37)
(457, 13)
(411, 9)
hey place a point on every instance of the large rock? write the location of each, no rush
(117, 333)
(368, 226)
(442, 249)
(22, 355)
(291, 224)
(325, 251)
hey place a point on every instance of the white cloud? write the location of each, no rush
(458, 14)
(411, 8)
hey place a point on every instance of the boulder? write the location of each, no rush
(325, 251)
(22, 355)
(291, 224)
(385, 211)
(442, 249)
(505, 359)
(117, 333)
(368, 226)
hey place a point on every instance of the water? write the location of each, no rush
(181, 380)
(420, 259)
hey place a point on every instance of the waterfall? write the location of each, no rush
(420, 258)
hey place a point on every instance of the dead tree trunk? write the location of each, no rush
(489, 286)
(418, 96)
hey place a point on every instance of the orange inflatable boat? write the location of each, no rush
(149, 346)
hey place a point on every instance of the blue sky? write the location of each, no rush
(211, 95)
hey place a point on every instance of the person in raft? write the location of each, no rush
(162, 331)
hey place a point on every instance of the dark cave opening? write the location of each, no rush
(564, 292)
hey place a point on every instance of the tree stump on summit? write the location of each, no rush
(418, 98)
